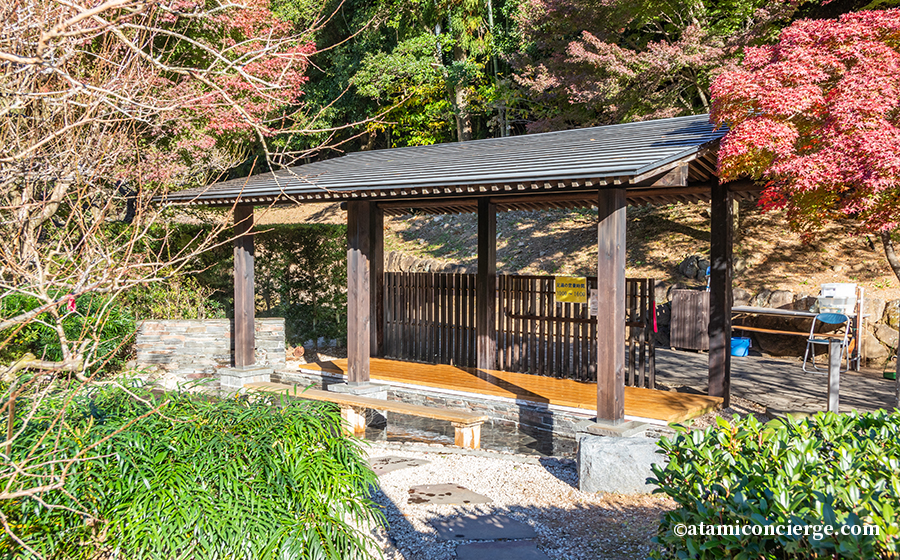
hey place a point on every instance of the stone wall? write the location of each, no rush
(195, 349)
(395, 261)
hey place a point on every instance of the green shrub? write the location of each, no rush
(300, 274)
(203, 479)
(827, 470)
(181, 297)
(96, 317)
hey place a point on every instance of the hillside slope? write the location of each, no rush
(767, 254)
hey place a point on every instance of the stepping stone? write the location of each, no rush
(390, 463)
(481, 528)
(444, 494)
(511, 550)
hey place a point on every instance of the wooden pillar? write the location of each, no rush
(611, 306)
(244, 297)
(359, 337)
(486, 286)
(376, 281)
(720, 296)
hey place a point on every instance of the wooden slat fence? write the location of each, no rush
(430, 317)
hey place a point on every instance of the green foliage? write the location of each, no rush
(202, 479)
(827, 470)
(409, 71)
(300, 274)
(182, 297)
(104, 322)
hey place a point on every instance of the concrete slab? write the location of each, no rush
(390, 463)
(233, 379)
(444, 494)
(514, 550)
(481, 528)
(623, 429)
(777, 383)
(361, 390)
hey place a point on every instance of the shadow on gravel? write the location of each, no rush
(564, 470)
(618, 528)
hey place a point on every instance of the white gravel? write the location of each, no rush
(541, 493)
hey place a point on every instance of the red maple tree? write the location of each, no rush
(816, 115)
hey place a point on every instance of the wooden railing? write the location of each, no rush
(430, 317)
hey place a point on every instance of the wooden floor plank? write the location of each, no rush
(644, 403)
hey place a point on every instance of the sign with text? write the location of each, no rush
(572, 289)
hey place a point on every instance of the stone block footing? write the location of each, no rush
(616, 464)
(233, 379)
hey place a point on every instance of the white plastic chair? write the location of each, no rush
(818, 338)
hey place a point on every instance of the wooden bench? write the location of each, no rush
(353, 408)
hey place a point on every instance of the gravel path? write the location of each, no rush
(539, 492)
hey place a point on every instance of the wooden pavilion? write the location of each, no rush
(650, 162)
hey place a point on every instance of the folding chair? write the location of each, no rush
(818, 338)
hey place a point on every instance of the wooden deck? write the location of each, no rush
(643, 403)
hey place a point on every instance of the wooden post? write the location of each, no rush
(244, 297)
(486, 286)
(376, 281)
(720, 296)
(835, 351)
(611, 306)
(359, 338)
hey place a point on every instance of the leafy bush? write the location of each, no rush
(300, 274)
(95, 317)
(827, 470)
(182, 297)
(202, 479)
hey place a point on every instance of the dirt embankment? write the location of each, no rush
(767, 254)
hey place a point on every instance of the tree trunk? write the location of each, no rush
(463, 116)
(889, 252)
(461, 102)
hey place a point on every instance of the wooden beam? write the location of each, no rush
(376, 282)
(611, 302)
(359, 253)
(720, 295)
(676, 177)
(429, 202)
(486, 286)
(244, 297)
(662, 169)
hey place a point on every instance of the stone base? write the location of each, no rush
(232, 380)
(616, 464)
(358, 419)
(629, 428)
(361, 390)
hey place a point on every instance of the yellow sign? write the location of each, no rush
(571, 289)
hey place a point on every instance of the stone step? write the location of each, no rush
(481, 528)
(508, 550)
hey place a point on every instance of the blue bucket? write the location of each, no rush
(740, 346)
